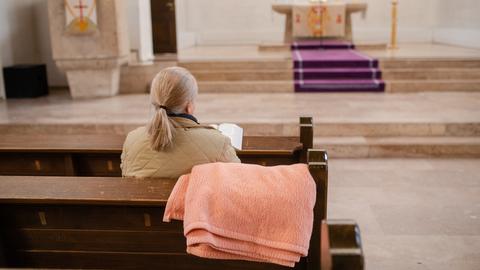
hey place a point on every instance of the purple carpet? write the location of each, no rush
(329, 67)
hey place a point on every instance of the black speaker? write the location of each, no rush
(25, 81)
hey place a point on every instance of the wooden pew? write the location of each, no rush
(341, 245)
(103, 222)
(99, 155)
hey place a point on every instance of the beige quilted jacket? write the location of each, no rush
(193, 144)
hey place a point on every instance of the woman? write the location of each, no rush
(173, 141)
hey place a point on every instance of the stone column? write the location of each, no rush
(92, 56)
(140, 29)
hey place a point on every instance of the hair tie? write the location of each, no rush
(162, 107)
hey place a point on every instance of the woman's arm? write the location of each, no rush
(228, 153)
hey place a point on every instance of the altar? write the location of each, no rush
(287, 10)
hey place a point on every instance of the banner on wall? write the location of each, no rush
(81, 16)
(319, 20)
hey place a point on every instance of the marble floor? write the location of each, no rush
(427, 107)
(405, 51)
(413, 213)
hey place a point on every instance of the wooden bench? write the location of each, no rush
(104, 222)
(99, 155)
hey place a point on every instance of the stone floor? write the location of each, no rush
(413, 213)
(428, 107)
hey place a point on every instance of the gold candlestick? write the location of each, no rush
(393, 35)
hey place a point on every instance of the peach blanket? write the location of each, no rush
(245, 212)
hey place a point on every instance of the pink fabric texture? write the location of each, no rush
(245, 212)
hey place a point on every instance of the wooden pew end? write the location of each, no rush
(306, 135)
(344, 245)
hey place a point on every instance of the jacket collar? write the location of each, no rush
(184, 116)
(188, 122)
(185, 122)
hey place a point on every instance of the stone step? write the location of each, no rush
(385, 64)
(428, 63)
(402, 86)
(387, 74)
(277, 128)
(276, 86)
(288, 86)
(391, 86)
(136, 78)
(338, 147)
(244, 75)
(367, 129)
(236, 65)
(432, 74)
(139, 82)
(405, 147)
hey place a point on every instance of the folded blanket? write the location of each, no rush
(245, 212)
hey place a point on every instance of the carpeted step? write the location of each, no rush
(339, 85)
(335, 64)
(332, 59)
(337, 73)
(321, 44)
(336, 70)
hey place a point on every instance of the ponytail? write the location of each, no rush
(171, 90)
(161, 130)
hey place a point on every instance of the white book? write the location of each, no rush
(232, 131)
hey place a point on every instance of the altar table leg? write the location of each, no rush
(287, 38)
(348, 27)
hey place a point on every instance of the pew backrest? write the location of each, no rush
(99, 155)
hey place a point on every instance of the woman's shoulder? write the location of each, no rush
(140, 131)
(136, 135)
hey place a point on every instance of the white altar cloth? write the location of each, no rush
(319, 20)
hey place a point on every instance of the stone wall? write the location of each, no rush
(217, 22)
(24, 36)
(457, 22)
(18, 39)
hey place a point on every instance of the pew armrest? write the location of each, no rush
(306, 136)
(318, 167)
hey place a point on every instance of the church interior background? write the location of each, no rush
(396, 104)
